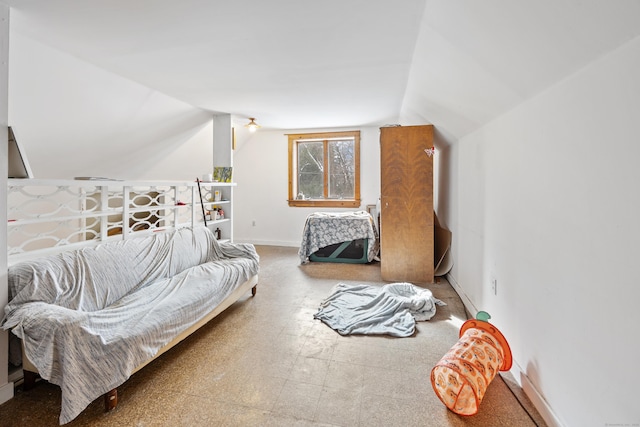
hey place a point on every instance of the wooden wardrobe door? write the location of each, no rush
(406, 217)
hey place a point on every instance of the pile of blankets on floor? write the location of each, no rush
(391, 309)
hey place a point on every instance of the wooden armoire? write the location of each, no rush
(406, 204)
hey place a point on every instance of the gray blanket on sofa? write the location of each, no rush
(89, 317)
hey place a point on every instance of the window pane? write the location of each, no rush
(341, 169)
(324, 169)
(310, 170)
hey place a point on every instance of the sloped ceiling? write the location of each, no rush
(298, 64)
(475, 60)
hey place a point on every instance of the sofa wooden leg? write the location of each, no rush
(254, 290)
(111, 400)
(29, 380)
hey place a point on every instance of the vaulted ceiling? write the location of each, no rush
(297, 64)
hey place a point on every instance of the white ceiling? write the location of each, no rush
(297, 64)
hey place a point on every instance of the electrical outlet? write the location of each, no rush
(494, 284)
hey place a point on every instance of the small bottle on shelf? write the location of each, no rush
(218, 233)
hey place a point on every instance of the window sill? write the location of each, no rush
(325, 203)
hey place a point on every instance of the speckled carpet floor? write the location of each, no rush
(265, 361)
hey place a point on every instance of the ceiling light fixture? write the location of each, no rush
(252, 125)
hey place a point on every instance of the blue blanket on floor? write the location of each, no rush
(392, 309)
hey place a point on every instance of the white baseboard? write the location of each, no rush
(267, 242)
(535, 397)
(527, 386)
(15, 376)
(6, 392)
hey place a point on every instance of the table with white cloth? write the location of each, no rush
(323, 229)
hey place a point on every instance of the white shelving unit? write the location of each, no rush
(225, 203)
(48, 216)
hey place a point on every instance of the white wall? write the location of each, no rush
(546, 198)
(6, 388)
(75, 119)
(260, 167)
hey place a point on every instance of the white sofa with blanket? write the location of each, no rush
(89, 318)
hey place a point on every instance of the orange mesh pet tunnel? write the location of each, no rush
(462, 376)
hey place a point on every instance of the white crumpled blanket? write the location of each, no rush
(392, 309)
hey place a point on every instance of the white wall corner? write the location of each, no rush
(6, 387)
(222, 140)
(468, 304)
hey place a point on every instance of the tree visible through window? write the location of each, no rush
(324, 169)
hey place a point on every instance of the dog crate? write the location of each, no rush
(353, 252)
